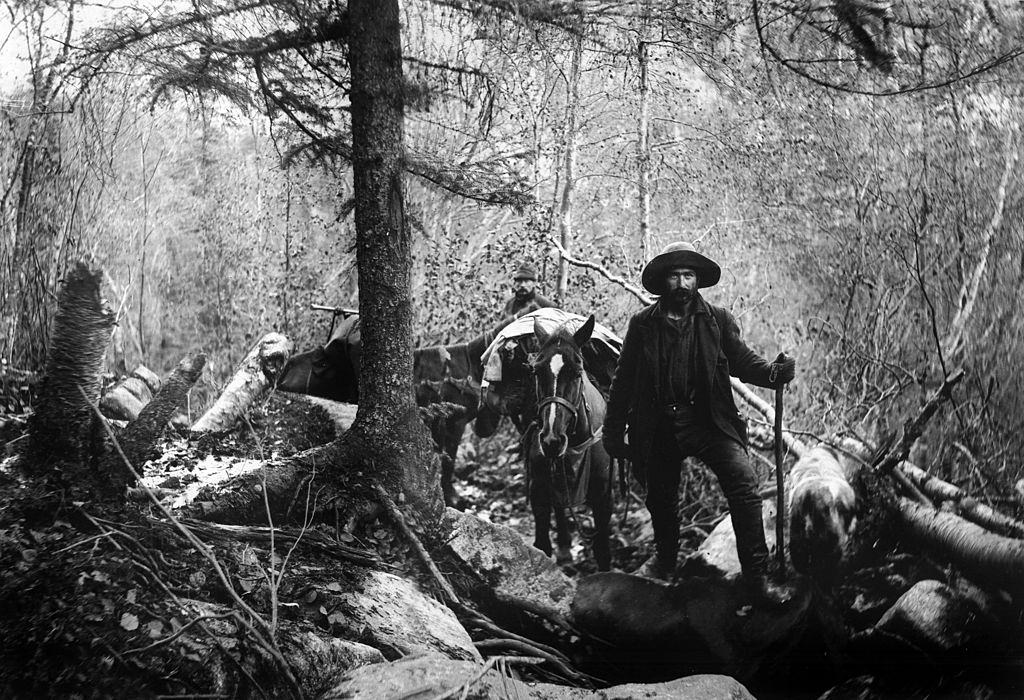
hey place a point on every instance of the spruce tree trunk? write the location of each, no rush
(387, 429)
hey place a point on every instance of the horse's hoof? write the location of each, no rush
(563, 556)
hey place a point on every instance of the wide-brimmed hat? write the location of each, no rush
(525, 272)
(679, 254)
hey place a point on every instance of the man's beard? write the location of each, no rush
(678, 298)
(522, 294)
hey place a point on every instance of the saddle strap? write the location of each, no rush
(577, 450)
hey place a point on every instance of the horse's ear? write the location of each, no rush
(538, 330)
(583, 334)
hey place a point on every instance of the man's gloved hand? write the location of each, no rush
(783, 369)
(616, 447)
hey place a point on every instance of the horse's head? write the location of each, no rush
(331, 372)
(559, 373)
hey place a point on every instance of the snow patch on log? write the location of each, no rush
(517, 574)
(209, 471)
(251, 379)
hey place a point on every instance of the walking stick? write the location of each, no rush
(780, 498)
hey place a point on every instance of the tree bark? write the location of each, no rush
(63, 435)
(954, 340)
(139, 438)
(999, 559)
(572, 109)
(387, 431)
(644, 151)
(251, 380)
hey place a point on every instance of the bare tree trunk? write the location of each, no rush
(644, 152)
(569, 186)
(387, 432)
(954, 339)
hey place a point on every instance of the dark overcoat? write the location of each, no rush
(634, 404)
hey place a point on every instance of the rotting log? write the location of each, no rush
(967, 507)
(977, 551)
(252, 378)
(743, 391)
(63, 429)
(139, 438)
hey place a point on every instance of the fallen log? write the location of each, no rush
(253, 376)
(744, 392)
(994, 557)
(139, 438)
(967, 507)
(939, 492)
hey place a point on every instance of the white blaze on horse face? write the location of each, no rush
(557, 361)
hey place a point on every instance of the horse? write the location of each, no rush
(443, 373)
(566, 462)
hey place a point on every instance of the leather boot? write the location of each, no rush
(656, 568)
(764, 593)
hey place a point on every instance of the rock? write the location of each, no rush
(394, 615)
(430, 676)
(322, 663)
(718, 551)
(517, 574)
(932, 616)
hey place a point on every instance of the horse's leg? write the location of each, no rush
(450, 447)
(562, 536)
(599, 497)
(540, 501)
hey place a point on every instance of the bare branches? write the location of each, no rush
(914, 428)
(641, 295)
(835, 40)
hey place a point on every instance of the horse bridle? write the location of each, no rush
(573, 408)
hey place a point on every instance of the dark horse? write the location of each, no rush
(443, 373)
(566, 461)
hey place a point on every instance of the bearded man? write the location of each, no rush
(671, 399)
(524, 295)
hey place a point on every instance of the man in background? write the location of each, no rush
(525, 298)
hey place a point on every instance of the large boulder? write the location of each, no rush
(430, 676)
(394, 615)
(718, 550)
(935, 618)
(516, 573)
